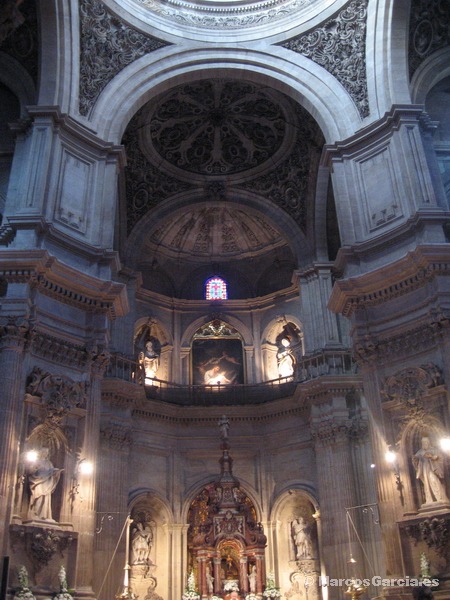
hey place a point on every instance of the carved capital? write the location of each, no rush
(117, 436)
(330, 431)
(14, 332)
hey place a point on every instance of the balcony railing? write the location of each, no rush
(310, 367)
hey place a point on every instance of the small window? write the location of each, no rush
(216, 289)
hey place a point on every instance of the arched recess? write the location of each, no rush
(18, 80)
(226, 541)
(275, 351)
(150, 546)
(418, 467)
(299, 244)
(153, 350)
(296, 538)
(296, 76)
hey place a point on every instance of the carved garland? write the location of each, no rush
(338, 45)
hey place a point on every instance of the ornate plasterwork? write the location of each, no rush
(107, 45)
(215, 127)
(146, 185)
(288, 184)
(226, 16)
(20, 33)
(428, 30)
(338, 45)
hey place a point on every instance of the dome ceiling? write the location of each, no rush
(220, 164)
(214, 232)
(217, 127)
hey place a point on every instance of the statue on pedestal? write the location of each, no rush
(43, 478)
(428, 463)
(302, 539)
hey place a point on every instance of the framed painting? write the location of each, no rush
(217, 361)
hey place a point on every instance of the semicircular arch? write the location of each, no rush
(293, 74)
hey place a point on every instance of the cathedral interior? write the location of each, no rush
(224, 299)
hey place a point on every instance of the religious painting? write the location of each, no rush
(217, 361)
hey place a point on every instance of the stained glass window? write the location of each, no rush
(216, 289)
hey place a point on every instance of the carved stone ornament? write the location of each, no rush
(215, 127)
(409, 385)
(41, 544)
(116, 435)
(107, 45)
(435, 533)
(146, 185)
(214, 15)
(330, 431)
(58, 396)
(428, 30)
(338, 45)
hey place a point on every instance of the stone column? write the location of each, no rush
(320, 324)
(178, 575)
(243, 575)
(13, 334)
(337, 488)
(115, 439)
(217, 581)
(88, 487)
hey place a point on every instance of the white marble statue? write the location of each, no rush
(43, 478)
(149, 360)
(141, 543)
(302, 539)
(252, 579)
(428, 463)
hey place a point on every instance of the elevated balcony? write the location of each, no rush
(332, 363)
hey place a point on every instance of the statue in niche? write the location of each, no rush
(149, 358)
(209, 580)
(285, 363)
(141, 543)
(252, 579)
(43, 478)
(302, 538)
(428, 463)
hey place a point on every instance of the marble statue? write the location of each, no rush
(141, 543)
(252, 579)
(428, 463)
(285, 362)
(149, 360)
(43, 478)
(224, 425)
(302, 538)
(209, 580)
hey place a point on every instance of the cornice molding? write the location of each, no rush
(401, 277)
(65, 284)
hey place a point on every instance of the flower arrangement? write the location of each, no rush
(251, 596)
(231, 586)
(190, 593)
(24, 592)
(271, 591)
(215, 598)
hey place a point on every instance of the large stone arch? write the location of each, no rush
(298, 77)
